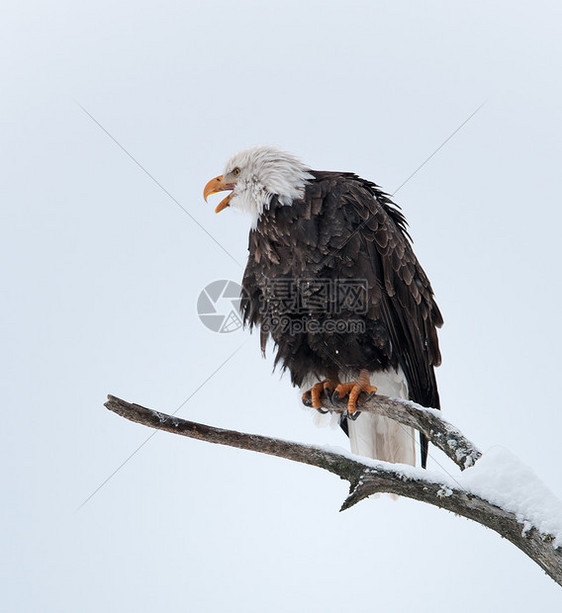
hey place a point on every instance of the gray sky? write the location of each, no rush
(102, 271)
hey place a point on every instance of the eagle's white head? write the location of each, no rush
(255, 175)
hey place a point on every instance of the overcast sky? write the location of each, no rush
(102, 270)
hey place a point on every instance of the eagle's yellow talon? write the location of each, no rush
(325, 387)
(354, 389)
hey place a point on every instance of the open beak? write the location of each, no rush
(217, 185)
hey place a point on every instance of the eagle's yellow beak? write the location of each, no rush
(217, 185)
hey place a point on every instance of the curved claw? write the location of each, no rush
(314, 395)
(353, 416)
(333, 397)
(337, 397)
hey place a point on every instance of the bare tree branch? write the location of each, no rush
(367, 478)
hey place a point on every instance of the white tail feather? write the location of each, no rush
(378, 437)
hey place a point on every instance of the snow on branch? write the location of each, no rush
(498, 492)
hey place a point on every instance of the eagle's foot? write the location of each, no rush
(325, 387)
(353, 390)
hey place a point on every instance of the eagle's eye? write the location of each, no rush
(236, 171)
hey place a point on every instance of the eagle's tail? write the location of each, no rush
(378, 437)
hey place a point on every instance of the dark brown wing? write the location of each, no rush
(407, 306)
(406, 303)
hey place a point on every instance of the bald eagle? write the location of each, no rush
(333, 280)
